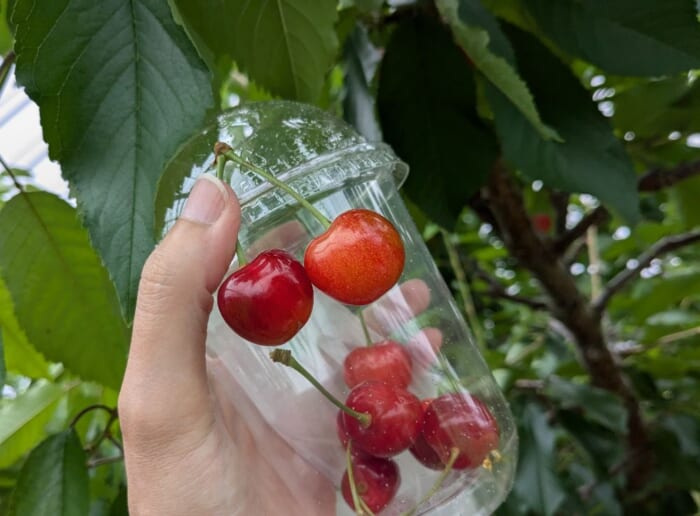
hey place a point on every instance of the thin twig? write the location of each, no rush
(594, 261)
(464, 290)
(12, 175)
(5, 66)
(105, 460)
(680, 335)
(663, 246)
(497, 290)
(560, 204)
(596, 217)
(112, 412)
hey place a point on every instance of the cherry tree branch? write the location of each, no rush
(652, 181)
(661, 247)
(658, 178)
(570, 306)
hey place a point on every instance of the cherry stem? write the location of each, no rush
(240, 254)
(365, 329)
(220, 165)
(284, 357)
(454, 453)
(366, 508)
(356, 500)
(229, 154)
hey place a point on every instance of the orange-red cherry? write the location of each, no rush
(268, 300)
(357, 259)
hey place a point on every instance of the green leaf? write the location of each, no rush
(537, 484)
(477, 32)
(431, 122)
(54, 480)
(655, 109)
(24, 419)
(119, 87)
(624, 37)
(590, 160)
(601, 444)
(596, 404)
(686, 195)
(286, 46)
(119, 506)
(358, 103)
(20, 356)
(63, 297)
(687, 431)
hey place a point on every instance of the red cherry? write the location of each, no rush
(268, 300)
(357, 259)
(462, 421)
(385, 361)
(422, 451)
(395, 418)
(376, 481)
(542, 222)
(344, 438)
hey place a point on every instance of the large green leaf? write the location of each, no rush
(24, 419)
(119, 87)
(478, 33)
(590, 160)
(63, 297)
(537, 485)
(20, 355)
(624, 37)
(431, 122)
(286, 46)
(54, 480)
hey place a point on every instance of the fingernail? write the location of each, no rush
(206, 200)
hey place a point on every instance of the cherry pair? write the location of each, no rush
(356, 260)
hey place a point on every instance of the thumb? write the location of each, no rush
(165, 384)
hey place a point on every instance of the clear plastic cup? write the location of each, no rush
(333, 167)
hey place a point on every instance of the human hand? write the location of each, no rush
(194, 441)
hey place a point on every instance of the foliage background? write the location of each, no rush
(554, 148)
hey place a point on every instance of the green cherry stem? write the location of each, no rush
(220, 165)
(356, 500)
(443, 475)
(365, 329)
(279, 184)
(366, 508)
(284, 357)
